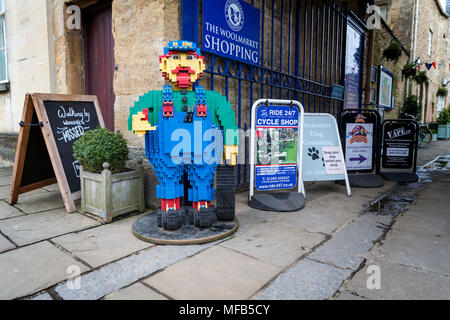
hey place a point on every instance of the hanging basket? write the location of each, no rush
(409, 70)
(421, 77)
(442, 92)
(393, 51)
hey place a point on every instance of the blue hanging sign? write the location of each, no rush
(276, 147)
(231, 30)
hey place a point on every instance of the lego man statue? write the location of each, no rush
(185, 130)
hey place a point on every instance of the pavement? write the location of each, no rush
(385, 243)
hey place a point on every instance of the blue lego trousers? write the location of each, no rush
(182, 144)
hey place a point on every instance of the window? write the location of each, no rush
(383, 11)
(441, 101)
(430, 42)
(3, 57)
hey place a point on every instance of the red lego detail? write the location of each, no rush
(201, 110)
(170, 204)
(167, 109)
(145, 113)
(200, 204)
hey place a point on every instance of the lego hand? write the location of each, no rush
(140, 124)
(231, 153)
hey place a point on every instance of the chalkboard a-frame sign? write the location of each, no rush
(50, 124)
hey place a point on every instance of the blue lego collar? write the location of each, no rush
(182, 45)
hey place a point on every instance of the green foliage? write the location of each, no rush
(410, 106)
(421, 77)
(101, 145)
(409, 70)
(442, 92)
(393, 51)
(444, 117)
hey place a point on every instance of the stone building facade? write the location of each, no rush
(47, 45)
(423, 27)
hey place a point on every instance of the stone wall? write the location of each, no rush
(382, 39)
(431, 16)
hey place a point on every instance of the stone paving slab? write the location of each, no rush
(126, 271)
(137, 291)
(7, 211)
(216, 273)
(6, 171)
(43, 296)
(5, 180)
(423, 252)
(251, 217)
(44, 225)
(32, 203)
(6, 190)
(98, 246)
(425, 222)
(5, 245)
(275, 242)
(347, 295)
(52, 187)
(307, 280)
(347, 248)
(33, 268)
(324, 220)
(401, 282)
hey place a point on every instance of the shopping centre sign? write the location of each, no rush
(231, 30)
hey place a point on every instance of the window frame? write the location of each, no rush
(2, 20)
(430, 42)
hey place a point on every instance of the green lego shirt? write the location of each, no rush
(218, 106)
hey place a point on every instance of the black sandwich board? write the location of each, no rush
(399, 150)
(360, 133)
(50, 125)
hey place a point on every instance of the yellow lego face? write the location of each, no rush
(182, 68)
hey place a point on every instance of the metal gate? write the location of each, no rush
(302, 57)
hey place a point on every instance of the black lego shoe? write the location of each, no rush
(172, 219)
(205, 217)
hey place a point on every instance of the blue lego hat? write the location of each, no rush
(182, 45)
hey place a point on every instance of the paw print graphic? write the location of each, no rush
(313, 153)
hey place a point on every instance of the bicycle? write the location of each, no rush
(425, 135)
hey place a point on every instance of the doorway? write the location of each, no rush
(99, 57)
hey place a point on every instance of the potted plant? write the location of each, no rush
(409, 70)
(443, 119)
(108, 188)
(442, 92)
(393, 51)
(421, 77)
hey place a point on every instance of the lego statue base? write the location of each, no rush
(153, 228)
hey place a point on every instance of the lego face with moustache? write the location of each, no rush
(182, 64)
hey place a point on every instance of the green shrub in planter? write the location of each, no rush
(393, 51)
(98, 146)
(443, 120)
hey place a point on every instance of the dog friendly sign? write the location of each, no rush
(323, 159)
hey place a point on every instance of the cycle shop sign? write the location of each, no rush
(276, 147)
(231, 30)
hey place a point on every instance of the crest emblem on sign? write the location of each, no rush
(359, 134)
(234, 15)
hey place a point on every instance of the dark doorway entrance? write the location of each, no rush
(99, 57)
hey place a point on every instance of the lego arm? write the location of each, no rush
(226, 119)
(141, 115)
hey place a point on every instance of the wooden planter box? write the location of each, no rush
(108, 195)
